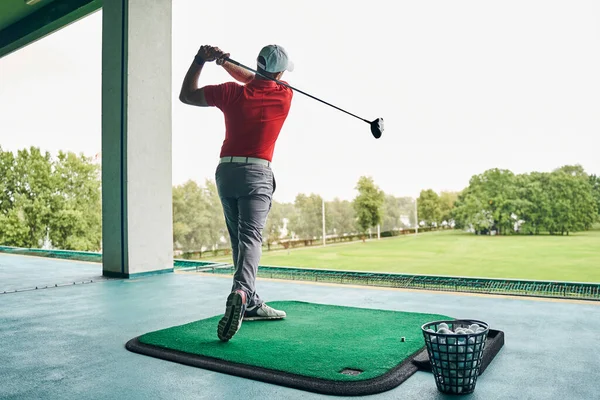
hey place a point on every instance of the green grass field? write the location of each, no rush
(567, 258)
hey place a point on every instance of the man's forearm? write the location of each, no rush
(190, 82)
(238, 73)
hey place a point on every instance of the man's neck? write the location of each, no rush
(260, 76)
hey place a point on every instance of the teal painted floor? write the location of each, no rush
(68, 342)
(25, 273)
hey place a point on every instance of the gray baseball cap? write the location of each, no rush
(276, 59)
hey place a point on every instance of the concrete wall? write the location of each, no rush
(136, 137)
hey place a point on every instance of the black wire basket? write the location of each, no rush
(455, 357)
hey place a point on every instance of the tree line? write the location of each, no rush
(558, 202)
(46, 200)
(57, 203)
(199, 222)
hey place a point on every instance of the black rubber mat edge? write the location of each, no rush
(493, 344)
(385, 382)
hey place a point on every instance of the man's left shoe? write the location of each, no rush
(261, 312)
(234, 312)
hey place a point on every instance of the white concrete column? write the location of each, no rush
(137, 226)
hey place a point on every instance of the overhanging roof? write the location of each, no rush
(25, 21)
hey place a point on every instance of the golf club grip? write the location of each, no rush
(293, 88)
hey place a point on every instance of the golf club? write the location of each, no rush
(376, 125)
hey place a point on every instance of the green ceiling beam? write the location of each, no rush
(44, 21)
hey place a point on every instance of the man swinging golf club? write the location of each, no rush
(254, 115)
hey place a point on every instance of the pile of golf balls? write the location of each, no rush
(456, 358)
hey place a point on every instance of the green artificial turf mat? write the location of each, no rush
(315, 340)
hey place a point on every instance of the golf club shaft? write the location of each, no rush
(293, 88)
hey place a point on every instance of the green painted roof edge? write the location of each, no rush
(43, 22)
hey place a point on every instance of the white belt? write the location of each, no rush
(250, 160)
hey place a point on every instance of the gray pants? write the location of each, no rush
(246, 192)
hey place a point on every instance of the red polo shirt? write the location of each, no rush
(254, 114)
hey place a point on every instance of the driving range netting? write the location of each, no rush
(564, 290)
(514, 287)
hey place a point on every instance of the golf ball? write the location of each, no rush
(474, 327)
(457, 389)
(444, 331)
(442, 325)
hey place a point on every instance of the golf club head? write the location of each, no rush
(377, 128)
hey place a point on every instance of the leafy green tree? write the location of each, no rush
(75, 222)
(398, 213)
(13, 226)
(559, 202)
(446, 202)
(573, 170)
(274, 225)
(216, 226)
(533, 206)
(429, 210)
(42, 198)
(497, 188)
(472, 212)
(342, 217)
(7, 181)
(191, 217)
(307, 221)
(391, 213)
(369, 203)
(573, 207)
(595, 184)
(33, 177)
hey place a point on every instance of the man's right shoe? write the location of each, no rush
(234, 315)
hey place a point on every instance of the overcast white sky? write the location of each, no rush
(463, 86)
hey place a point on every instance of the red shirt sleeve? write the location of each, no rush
(220, 95)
